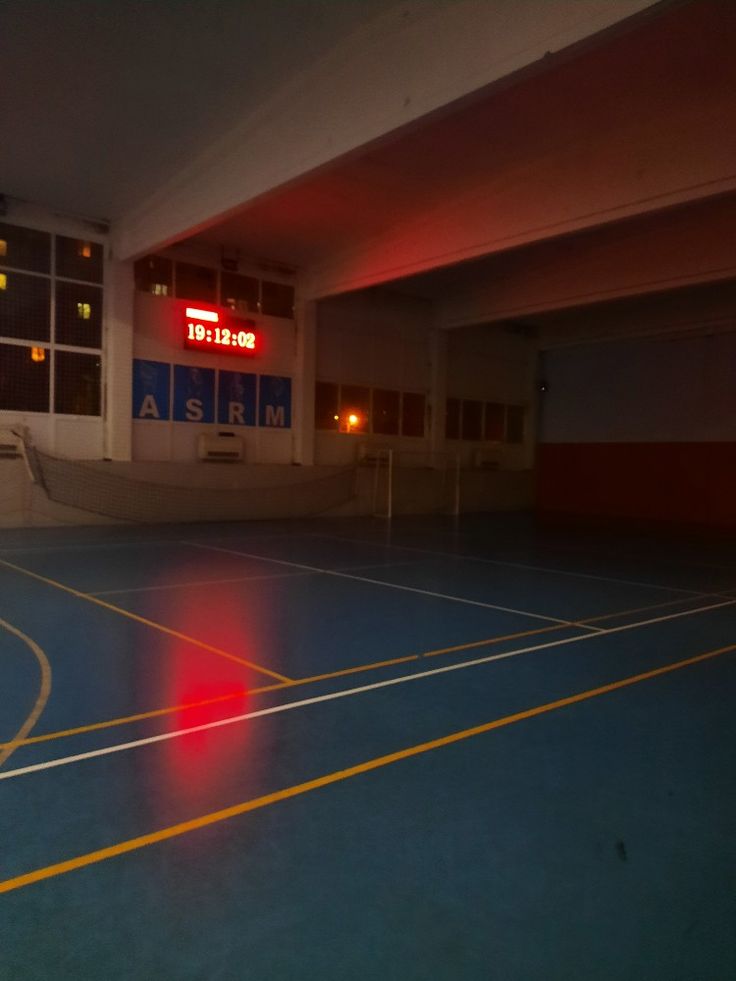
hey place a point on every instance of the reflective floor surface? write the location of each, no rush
(431, 749)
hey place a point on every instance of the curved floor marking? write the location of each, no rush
(43, 692)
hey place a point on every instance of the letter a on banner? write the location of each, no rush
(151, 389)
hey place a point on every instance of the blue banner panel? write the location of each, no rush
(151, 385)
(236, 399)
(274, 402)
(194, 394)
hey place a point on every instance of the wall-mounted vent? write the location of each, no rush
(223, 448)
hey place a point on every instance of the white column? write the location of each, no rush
(304, 379)
(118, 360)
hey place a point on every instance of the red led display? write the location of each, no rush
(218, 331)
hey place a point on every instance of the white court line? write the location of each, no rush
(390, 585)
(77, 546)
(520, 565)
(344, 693)
(218, 582)
(200, 582)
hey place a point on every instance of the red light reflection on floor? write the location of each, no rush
(209, 687)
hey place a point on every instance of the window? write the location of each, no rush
(355, 408)
(25, 303)
(495, 422)
(326, 406)
(196, 282)
(386, 412)
(25, 248)
(78, 314)
(277, 299)
(239, 292)
(515, 424)
(412, 414)
(24, 378)
(77, 383)
(79, 259)
(452, 419)
(154, 275)
(472, 416)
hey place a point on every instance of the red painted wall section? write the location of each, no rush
(686, 483)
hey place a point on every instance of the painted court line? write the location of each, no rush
(333, 696)
(198, 582)
(522, 565)
(386, 585)
(218, 582)
(337, 776)
(340, 673)
(44, 690)
(148, 623)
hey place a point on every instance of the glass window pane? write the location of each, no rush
(25, 306)
(277, 299)
(412, 414)
(154, 274)
(24, 378)
(77, 384)
(78, 315)
(79, 259)
(239, 292)
(326, 409)
(355, 408)
(515, 424)
(495, 424)
(472, 419)
(452, 419)
(25, 248)
(196, 282)
(385, 412)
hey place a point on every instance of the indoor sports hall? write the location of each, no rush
(367, 512)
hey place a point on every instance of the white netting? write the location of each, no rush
(108, 492)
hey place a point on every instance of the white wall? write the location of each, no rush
(668, 389)
(158, 336)
(377, 339)
(494, 364)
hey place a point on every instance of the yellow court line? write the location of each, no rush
(337, 776)
(148, 623)
(341, 673)
(7, 749)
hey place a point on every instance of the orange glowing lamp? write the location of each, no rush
(38, 354)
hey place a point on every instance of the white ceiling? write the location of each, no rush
(102, 100)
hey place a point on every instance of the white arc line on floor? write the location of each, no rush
(386, 585)
(344, 693)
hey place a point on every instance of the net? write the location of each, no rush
(102, 489)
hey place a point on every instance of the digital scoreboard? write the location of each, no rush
(219, 332)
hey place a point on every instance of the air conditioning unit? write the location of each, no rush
(488, 458)
(223, 448)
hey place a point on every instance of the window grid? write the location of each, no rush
(50, 344)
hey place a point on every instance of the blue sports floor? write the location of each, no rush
(347, 750)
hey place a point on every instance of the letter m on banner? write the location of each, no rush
(274, 402)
